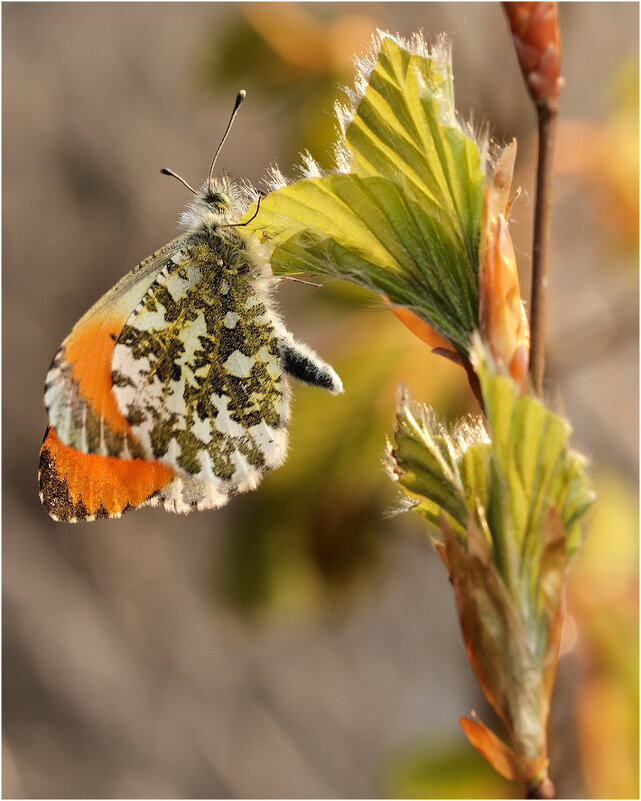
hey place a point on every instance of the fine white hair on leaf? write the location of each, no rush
(364, 64)
(342, 157)
(309, 168)
(361, 79)
(440, 52)
(467, 431)
(403, 505)
(389, 462)
(494, 150)
(345, 112)
(275, 179)
(247, 192)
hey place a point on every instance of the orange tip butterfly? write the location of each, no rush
(171, 390)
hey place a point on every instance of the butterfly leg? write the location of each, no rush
(302, 363)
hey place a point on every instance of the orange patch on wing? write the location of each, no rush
(76, 485)
(88, 350)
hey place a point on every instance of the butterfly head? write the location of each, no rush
(217, 203)
(218, 198)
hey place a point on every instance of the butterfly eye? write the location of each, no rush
(219, 201)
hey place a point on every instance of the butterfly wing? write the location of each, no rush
(84, 486)
(197, 374)
(88, 464)
(78, 391)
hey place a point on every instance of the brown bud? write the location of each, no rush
(535, 28)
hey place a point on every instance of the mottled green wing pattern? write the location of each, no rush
(196, 369)
(402, 215)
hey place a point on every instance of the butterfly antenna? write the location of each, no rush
(165, 171)
(239, 99)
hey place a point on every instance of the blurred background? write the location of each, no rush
(300, 642)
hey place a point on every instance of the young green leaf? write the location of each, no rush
(401, 216)
(503, 508)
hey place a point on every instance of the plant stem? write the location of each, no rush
(547, 114)
(542, 788)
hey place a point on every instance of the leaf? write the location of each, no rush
(423, 331)
(439, 469)
(425, 470)
(533, 471)
(506, 509)
(503, 759)
(504, 323)
(495, 638)
(402, 215)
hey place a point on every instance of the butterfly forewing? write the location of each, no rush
(85, 486)
(78, 388)
(197, 374)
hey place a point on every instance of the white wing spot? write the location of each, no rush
(272, 442)
(271, 362)
(239, 365)
(178, 285)
(151, 320)
(224, 423)
(201, 429)
(230, 319)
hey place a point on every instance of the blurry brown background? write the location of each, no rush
(298, 642)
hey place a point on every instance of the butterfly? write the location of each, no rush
(171, 390)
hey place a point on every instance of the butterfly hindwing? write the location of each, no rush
(197, 372)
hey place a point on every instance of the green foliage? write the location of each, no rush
(402, 215)
(437, 465)
(508, 479)
(506, 483)
(533, 470)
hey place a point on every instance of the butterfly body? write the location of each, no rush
(171, 390)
